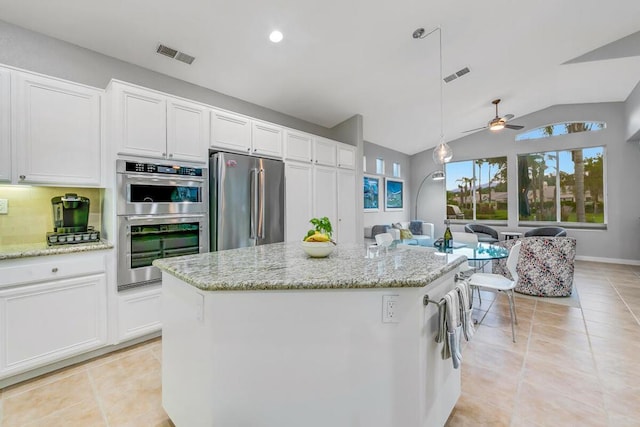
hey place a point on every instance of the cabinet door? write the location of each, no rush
(187, 131)
(346, 156)
(325, 200)
(57, 131)
(298, 199)
(324, 152)
(298, 147)
(347, 206)
(140, 121)
(139, 312)
(51, 321)
(5, 126)
(266, 140)
(230, 131)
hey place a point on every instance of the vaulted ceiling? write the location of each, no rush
(345, 57)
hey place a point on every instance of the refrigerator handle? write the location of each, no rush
(261, 203)
(254, 203)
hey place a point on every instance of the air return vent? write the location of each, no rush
(460, 73)
(175, 54)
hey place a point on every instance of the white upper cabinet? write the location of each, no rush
(298, 147)
(187, 130)
(151, 124)
(238, 133)
(324, 151)
(299, 193)
(266, 139)
(5, 125)
(57, 131)
(230, 131)
(346, 156)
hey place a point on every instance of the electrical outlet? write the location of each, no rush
(390, 309)
(4, 206)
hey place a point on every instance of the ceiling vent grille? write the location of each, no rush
(460, 73)
(175, 54)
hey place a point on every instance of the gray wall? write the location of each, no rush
(33, 51)
(372, 152)
(632, 114)
(621, 239)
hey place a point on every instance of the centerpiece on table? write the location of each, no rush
(318, 243)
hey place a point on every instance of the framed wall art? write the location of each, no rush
(393, 194)
(371, 193)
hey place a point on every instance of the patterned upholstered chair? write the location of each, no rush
(545, 266)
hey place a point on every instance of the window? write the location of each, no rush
(477, 189)
(557, 129)
(396, 170)
(380, 166)
(364, 163)
(562, 186)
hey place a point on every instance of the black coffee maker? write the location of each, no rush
(70, 213)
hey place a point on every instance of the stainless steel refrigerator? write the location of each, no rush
(247, 201)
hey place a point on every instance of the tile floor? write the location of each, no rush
(572, 365)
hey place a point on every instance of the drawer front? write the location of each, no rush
(18, 272)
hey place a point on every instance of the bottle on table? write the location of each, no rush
(448, 237)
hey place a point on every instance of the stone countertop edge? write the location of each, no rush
(284, 266)
(41, 249)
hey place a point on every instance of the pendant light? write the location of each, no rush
(442, 153)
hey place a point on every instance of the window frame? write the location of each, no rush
(559, 222)
(496, 222)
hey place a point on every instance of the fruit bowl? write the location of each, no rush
(318, 249)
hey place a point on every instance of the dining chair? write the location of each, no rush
(467, 269)
(499, 283)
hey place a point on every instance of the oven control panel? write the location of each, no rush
(162, 169)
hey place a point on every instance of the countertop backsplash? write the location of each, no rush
(30, 214)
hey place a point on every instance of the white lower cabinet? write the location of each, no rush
(139, 312)
(51, 317)
(298, 200)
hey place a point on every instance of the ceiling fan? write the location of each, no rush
(498, 123)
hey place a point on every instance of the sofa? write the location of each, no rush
(545, 266)
(424, 231)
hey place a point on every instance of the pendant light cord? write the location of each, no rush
(420, 34)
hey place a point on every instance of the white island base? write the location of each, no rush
(293, 358)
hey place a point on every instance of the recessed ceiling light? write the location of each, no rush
(276, 36)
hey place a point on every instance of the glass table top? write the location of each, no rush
(479, 252)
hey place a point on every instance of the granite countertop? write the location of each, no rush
(286, 266)
(27, 250)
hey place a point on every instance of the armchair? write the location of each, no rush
(485, 233)
(546, 231)
(545, 267)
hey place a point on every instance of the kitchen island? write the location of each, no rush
(267, 336)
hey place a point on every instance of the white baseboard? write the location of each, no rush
(608, 260)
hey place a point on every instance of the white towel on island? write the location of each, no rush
(466, 308)
(450, 327)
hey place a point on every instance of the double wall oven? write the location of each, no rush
(162, 212)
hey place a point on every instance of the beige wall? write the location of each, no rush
(31, 216)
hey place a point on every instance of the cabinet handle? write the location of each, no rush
(164, 154)
(22, 177)
(255, 149)
(249, 149)
(316, 161)
(171, 155)
(54, 270)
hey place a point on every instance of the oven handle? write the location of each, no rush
(145, 179)
(161, 217)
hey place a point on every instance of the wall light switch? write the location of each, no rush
(4, 206)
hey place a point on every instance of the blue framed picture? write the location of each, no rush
(394, 195)
(371, 193)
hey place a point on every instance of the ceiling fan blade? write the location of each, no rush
(514, 127)
(473, 130)
(508, 117)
